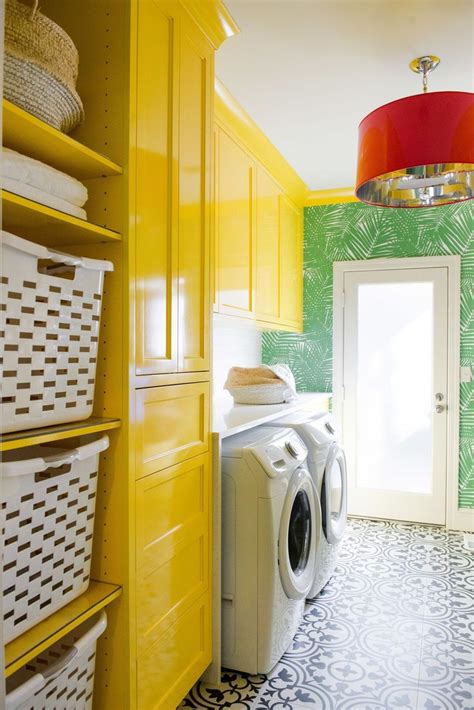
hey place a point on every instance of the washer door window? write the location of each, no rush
(297, 536)
(334, 495)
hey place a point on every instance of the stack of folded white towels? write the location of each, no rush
(40, 182)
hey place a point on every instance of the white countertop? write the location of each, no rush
(230, 418)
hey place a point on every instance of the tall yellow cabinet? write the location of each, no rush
(171, 174)
(147, 82)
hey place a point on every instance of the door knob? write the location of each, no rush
(439, 409)
(439, 396)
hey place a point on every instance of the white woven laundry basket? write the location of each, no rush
(48, 504)
(49, 334)
(62, 677)
(260, 394)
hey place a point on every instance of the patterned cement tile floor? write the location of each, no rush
(393, 629)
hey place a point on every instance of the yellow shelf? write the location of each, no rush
(29, 135)
(30, 437)
(45, 225)
(35, 640)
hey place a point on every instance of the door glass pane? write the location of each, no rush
(299, 533)
(394, 387)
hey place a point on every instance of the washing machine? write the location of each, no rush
(327, 465)
(268, 545)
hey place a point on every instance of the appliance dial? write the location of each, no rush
(292, 449)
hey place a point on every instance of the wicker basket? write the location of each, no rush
(41, 67)
(260, 394)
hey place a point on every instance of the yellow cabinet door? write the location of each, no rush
(156, 257)
(291, 264)
(195, 122)
(172, 424)
(235, 229)
(173, 537)
(268, 248)
(167, 670)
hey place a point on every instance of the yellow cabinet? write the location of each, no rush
(174, 122)
(258, 215)
(195, 126)
(291, 264)
(180, 654)
(268, 248)
(172, 424)
(156, 257)
(172, 545)
(235, 228)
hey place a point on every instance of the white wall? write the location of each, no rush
(235, 343)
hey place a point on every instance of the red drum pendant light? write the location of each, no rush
(418, 151)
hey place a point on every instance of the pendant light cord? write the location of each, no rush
(425, 79)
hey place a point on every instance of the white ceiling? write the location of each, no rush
(308, 71)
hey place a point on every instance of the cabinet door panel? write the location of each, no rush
(156, 182)
(167, 670)
(291, 263)
(172, 545)
(235, 229)
(172, 425)
(194, 197)
(268, 248)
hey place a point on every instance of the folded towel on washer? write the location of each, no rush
(29, 171)
(44, 198)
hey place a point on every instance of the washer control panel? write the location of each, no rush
(287, 453)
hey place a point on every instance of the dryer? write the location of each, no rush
(268, 545)
(327, 465)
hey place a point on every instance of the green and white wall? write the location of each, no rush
(342, 232)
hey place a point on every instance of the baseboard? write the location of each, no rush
(462, 519)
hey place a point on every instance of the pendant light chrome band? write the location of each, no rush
(421, 186)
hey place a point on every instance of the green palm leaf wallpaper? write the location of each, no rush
(341, 232)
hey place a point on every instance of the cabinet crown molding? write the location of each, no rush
(234, 119)
(333, 196)
(213, 18)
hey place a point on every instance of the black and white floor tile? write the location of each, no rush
(393, 630)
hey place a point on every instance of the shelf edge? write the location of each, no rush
(102, 161)
(81, 224)
(32, 440)
(19, 662)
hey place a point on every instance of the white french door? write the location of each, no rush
(395, 387)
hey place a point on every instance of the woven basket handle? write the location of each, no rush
(34, 9)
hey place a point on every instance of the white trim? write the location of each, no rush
(462, 519)
(456, 518)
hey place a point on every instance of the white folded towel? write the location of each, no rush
(44, 198)
(21, 168)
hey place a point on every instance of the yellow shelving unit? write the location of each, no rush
(48, 226)
(37, 639)
(30, 437)
(94, 154)
(29, 135)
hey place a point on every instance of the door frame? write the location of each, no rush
(456, 518)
